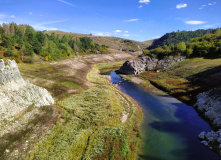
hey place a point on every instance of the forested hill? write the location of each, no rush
(179, 36)
(21, 42)
(208, 46)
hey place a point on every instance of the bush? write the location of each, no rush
(28, 60)
(9, 53)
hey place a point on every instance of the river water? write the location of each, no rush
(169, 128)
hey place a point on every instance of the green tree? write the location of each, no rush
(181, 47)
(28, 49)
(8, 53)
(30, 34)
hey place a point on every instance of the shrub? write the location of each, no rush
(8, 53)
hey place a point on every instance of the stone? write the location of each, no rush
(2, 65)
(219, 140)
(211, 139)
(147, 63)
(208, 103)
(202, 135)
(16, 93)
(10, 73)
(205, 143)
(211, 134)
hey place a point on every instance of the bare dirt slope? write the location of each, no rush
(66, 76)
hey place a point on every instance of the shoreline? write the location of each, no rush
(205, 137)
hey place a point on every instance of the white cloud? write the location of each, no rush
(12, 16)
(140, 6)
(131, 20)
(126, 35)
(202, 6)
(195, 22)
(41, 28)
(66, 3)
(100, 34)
(208, 26)
(211, 4)
(144, 1)
(126, 31)
(30, 13)
(156, 37)
(118, 31)
(103, 34)
(181, 5)
(2, 16)
(52, 22)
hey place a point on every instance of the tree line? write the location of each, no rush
(179, 36)
(208, 45)
(20, 41)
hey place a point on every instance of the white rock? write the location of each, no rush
(16, 95)
(202, 135)
(205, 143)
(211, 134)
(218, 140)
(211, 139)
(2, 65)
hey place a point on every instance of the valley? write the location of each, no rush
(94, 115)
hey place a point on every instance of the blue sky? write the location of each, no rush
(132, 19)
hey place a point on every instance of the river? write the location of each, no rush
(169, 128)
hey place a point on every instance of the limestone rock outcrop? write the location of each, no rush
(147, 63)
(16, 95)
(209, 104)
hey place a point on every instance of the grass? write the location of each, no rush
(57, 81)
(20, 141)
(91, 127)
(187, 79)
(107, 67)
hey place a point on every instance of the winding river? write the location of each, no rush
(169, 128)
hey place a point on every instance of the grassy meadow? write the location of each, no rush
(186, 79)
(91, 127)
(86, 121)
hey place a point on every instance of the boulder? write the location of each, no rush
(147, 63)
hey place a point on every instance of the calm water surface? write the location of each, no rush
(169, 128)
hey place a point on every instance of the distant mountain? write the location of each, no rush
(179, 36)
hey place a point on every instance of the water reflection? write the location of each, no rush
(169, 128)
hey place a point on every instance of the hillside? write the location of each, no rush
(114, 43)
(179, 36)
(208, 45)
(22, 43)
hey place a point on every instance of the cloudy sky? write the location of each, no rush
(133, 19)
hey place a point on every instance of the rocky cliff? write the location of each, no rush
(147, 63)
(16, 95)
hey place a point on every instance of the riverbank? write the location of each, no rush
(95, 121)
(169, 128)
(92, 126)
(195, 82)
